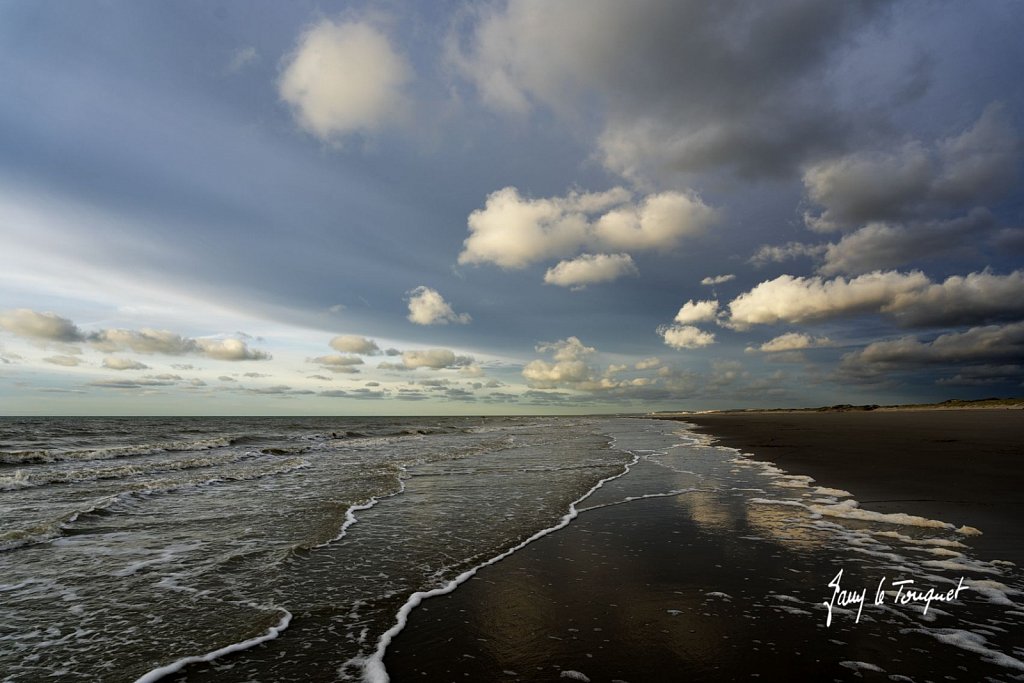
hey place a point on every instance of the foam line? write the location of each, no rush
(174, 667)
(373, 667)
(630, 499)
(350, 514)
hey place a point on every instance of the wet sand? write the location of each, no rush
(709, 585)
(962, 466)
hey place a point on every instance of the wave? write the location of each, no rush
(23, 479)
(176, 666)
(49, 530)
(37, 457)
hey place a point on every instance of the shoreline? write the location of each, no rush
(962, 465)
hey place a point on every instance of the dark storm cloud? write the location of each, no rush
(686, 85)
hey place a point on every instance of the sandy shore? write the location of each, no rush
(962, 466)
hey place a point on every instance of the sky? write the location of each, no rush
(501, 207)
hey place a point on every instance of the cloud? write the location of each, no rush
(116, 363)
(979, 345)
(798, 299)
(588, 269)
(793, 341)
(685, 336)
(436, 359)
(143, 341)
(647, 363)
(683, 86)
(129, 384)
(338, 363)
(47, 326)
(428, 307)
(241, 58)
(962, 300)
(67, 361)
(697, 311)
(280, 390)
(227, 378)
(350, 343)
(513, 231)
(569, 366)
(472, 370)
(911, 298)
(790, 250)
(878, 246)
(985, 375)
(717, 279)
(229, 349)
(165, 342)
(344, 78)
(913, 180)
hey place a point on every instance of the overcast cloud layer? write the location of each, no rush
(515, 206)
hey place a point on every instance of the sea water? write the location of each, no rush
(130, 547)
(292, 549)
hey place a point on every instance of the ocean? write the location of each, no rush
(294, 549)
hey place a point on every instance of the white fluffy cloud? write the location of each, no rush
(588, 269)
(569, 366)
(434, 359)
(350, 343)
(513, 231)
(686, 336)
(119, 363)
(344, 78)
(793, 341)
(143, 341)
(229, 349)
(911, 298)
(717, 279)
(798, 299)
(45, 326)
(697, 312)
(915, 180)
(428, 307)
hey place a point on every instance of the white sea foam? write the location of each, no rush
(778, 501)
(861, 666)
(574, 675)
(630, 499)
(972, 642)
(903, 538)
(835, 493)
(374, 670)
(350, 513)
(996, 592)
(850, 509)
(176, 666)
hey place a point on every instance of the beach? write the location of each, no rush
(700, 564)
